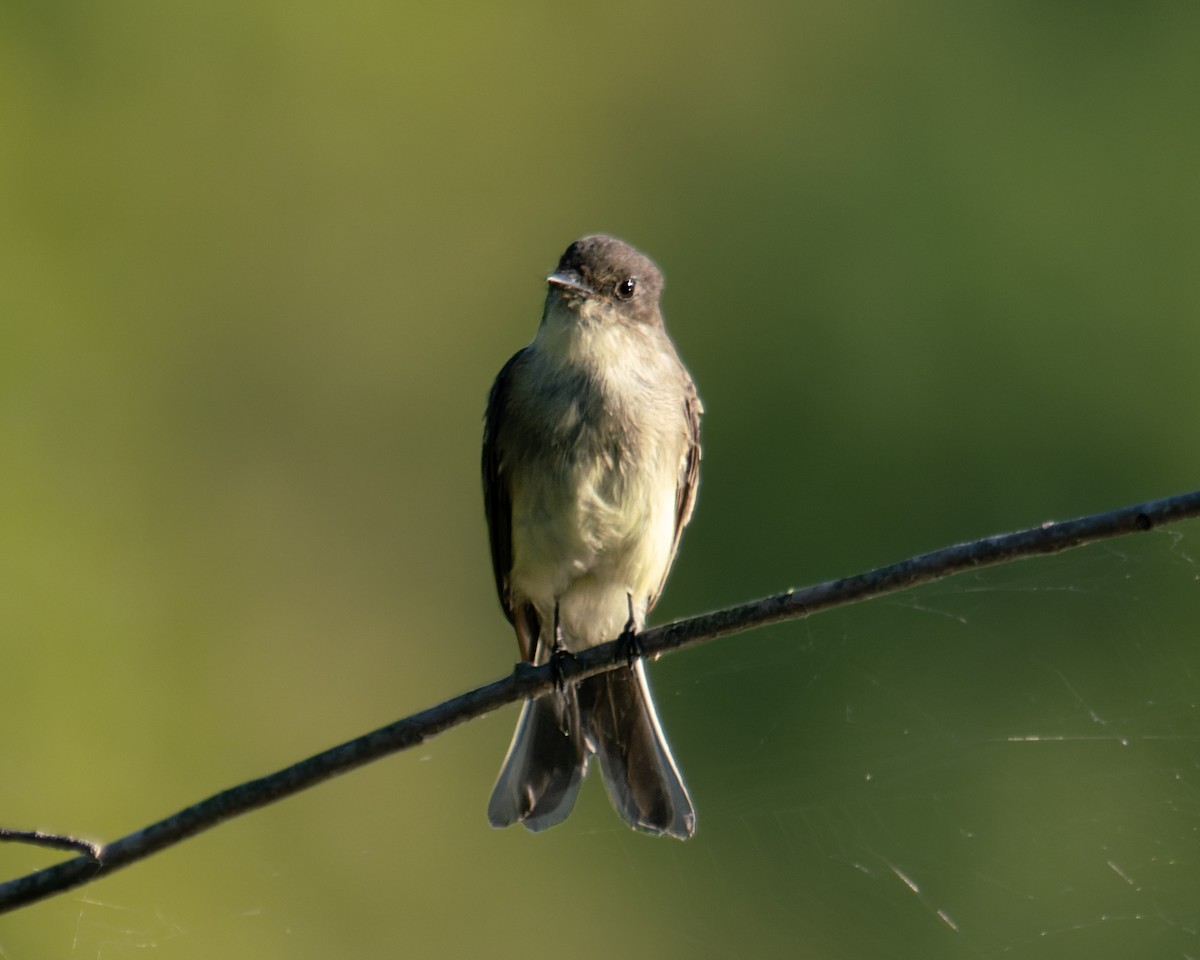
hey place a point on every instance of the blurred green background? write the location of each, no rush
(934, 269)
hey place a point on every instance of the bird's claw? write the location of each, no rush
(631, 645)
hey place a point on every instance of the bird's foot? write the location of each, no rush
(631, 646)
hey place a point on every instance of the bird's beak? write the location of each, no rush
(570, 280)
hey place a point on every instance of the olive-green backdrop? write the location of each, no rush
(934, 267)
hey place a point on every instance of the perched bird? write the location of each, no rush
(591, 457)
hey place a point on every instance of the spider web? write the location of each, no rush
(1000, 764)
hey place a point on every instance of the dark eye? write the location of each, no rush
(626, 287)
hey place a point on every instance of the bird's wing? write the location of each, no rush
(496, 502)
(689, 478)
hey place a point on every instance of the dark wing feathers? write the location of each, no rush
(496, 502)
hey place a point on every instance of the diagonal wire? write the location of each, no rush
(528, 681)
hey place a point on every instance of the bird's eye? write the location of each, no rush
(626, 287)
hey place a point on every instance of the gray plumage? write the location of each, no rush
(591, 458)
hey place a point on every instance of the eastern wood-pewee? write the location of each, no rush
(591, 456)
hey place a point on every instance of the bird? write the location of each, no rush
(591, 460)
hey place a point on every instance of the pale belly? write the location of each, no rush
(593, 544)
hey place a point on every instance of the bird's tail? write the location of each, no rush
(621, 726)
(611, 715)
(544, 767)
